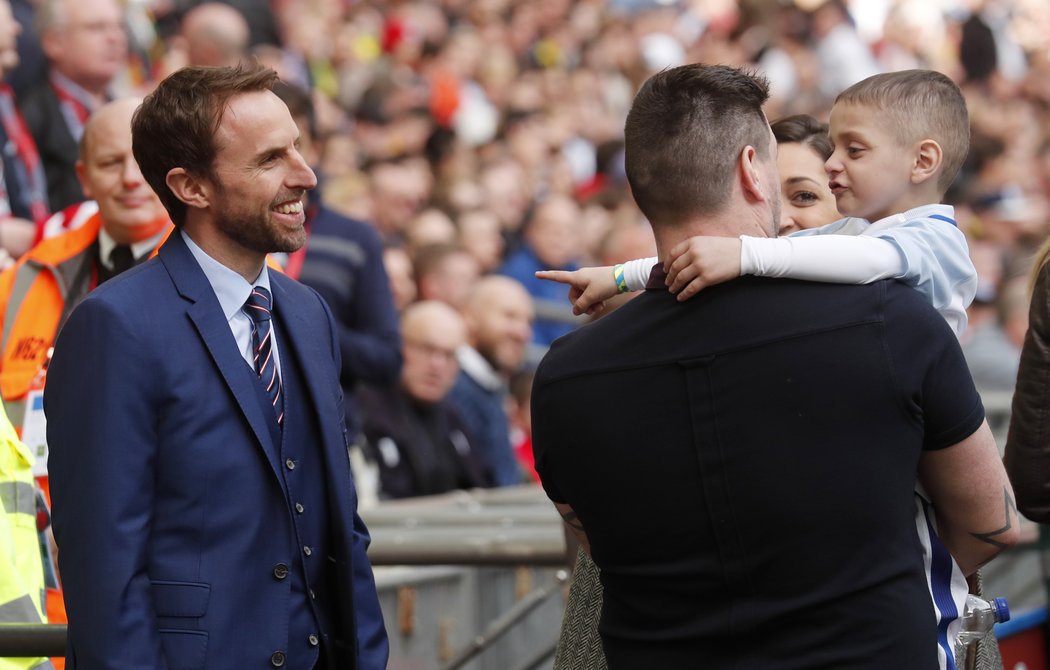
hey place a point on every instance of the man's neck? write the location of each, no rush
(245, 262)
(728, 224)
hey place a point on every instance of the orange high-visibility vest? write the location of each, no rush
(36, 296)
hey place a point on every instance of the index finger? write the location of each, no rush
(560, 276)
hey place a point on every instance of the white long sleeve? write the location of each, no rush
(842, 259)
(931, 257)
(636, 272)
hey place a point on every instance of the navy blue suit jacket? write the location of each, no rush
(168, 508)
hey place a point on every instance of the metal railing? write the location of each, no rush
(508, 620)
(32, 640)
(493, 527)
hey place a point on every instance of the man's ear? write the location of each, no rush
(750, 175)
(81, 169)
(928, 159)
(51, 42)
(188, 188)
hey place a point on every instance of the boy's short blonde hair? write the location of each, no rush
(919, 104)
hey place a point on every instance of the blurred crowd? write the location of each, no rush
(461, 145)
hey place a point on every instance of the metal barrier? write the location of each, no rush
(508, 526)
(485, 538)
(31, 640)
(508, 620)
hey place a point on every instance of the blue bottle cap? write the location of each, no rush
(1002, 610)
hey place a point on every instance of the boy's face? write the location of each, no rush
(869, 171)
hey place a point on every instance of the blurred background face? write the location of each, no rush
(398, 268)
(109, 174)
(451, 280)
(9, 31)
(89, 44)
(554, 233)
(479, 234)
(398, 192)
(214, 35)
(500, 317)
(806, 200)
(431, 333)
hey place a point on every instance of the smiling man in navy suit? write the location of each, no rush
(203, 502)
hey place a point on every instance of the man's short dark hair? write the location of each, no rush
(176, 124)
(684, 133)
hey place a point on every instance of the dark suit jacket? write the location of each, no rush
(58, 149)
(168, 505)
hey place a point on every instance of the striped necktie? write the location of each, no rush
(258, 308)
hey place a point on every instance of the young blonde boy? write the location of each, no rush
(900, 139)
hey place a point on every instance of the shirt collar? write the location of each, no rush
(106, 243)
(657, 279)
(478, 369)
(230, 288)
(921, 212)
(76, 90)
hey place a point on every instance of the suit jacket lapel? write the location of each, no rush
(208, 318)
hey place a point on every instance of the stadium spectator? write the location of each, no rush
(210, 34)
(499, 315)
(23, 188)
(414, 435)
(550, 241)
(445, 272)
(40, 291)
(86, 47)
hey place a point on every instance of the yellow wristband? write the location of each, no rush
(621, 283)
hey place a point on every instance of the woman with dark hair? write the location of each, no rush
(803, 146)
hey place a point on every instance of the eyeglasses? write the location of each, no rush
(446, 355)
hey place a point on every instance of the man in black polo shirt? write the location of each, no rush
(742, 465)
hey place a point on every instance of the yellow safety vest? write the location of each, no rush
(21, 573)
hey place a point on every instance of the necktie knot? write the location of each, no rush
(121, 258)
(259, 304)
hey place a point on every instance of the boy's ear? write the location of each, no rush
(928, 158)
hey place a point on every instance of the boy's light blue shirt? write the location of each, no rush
(934, 255)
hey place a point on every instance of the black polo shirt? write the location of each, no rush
(744, 465)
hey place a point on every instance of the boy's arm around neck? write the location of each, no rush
(929, 255)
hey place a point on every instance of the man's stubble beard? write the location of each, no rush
(256, 232)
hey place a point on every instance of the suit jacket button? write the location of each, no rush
(277, 659)
(313, 640)
(290, 464)
(280, 571)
